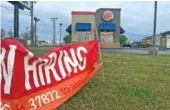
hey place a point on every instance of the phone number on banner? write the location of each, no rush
(43, 99)
(35, 102)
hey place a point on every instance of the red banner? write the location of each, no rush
(29, 82)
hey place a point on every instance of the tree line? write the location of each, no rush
(5, 33)
(67, 38)
(163, 34)
(10, 33)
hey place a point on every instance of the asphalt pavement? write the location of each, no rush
(133, 51)
(118, 50)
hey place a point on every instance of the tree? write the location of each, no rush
(147, 37)
(123, 39)
(24, 35)
(3, 33)
(165, 33)
(29, 35)
(10, 33)
(67, 39)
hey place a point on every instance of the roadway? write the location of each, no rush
(118, 50)
(133, 51)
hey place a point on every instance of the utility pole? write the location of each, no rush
(54, 20)
(60, 33)
(36, 20)
(154, 50)
(32, 23)
(154, 26)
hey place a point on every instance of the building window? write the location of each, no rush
(87, 35)
(106, 36)
(83, 35)
(80, 35)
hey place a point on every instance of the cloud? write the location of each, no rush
(136, 17)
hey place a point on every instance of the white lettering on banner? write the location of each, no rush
(49, 67)
(7, 72)
(30, 68)
(71, 63)
(40, 71)
(62, 71)
(80, 57)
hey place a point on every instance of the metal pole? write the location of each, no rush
(35, 33)
(35, 38)
(26, 35)
(54, 32)
(60, 33)
(16, 21)
(154, 27)
(32, 23)
(54, 20)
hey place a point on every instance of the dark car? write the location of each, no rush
(127, 45)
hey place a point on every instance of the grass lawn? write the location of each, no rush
(132, 82)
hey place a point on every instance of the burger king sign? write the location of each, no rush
(108, 15)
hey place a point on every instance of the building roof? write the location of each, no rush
(110, 8)
(83, 13)
(89, 12)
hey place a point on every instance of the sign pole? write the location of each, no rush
(32, 24)
(16, 21)
(99, 51)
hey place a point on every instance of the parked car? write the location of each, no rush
(127, 45)
(162, 48)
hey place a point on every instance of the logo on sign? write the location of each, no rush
(107, 15)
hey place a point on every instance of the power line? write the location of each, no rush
(6, 6)
(11, 9)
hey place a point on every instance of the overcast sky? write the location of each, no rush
(136, 17)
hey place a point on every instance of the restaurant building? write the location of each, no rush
(104, 24)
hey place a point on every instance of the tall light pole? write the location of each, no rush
(60, 33)
(154, 26)
(32, 24)
(154, 50)
(36, 20)
(16, 21)
(26, 35)
(54, 20)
